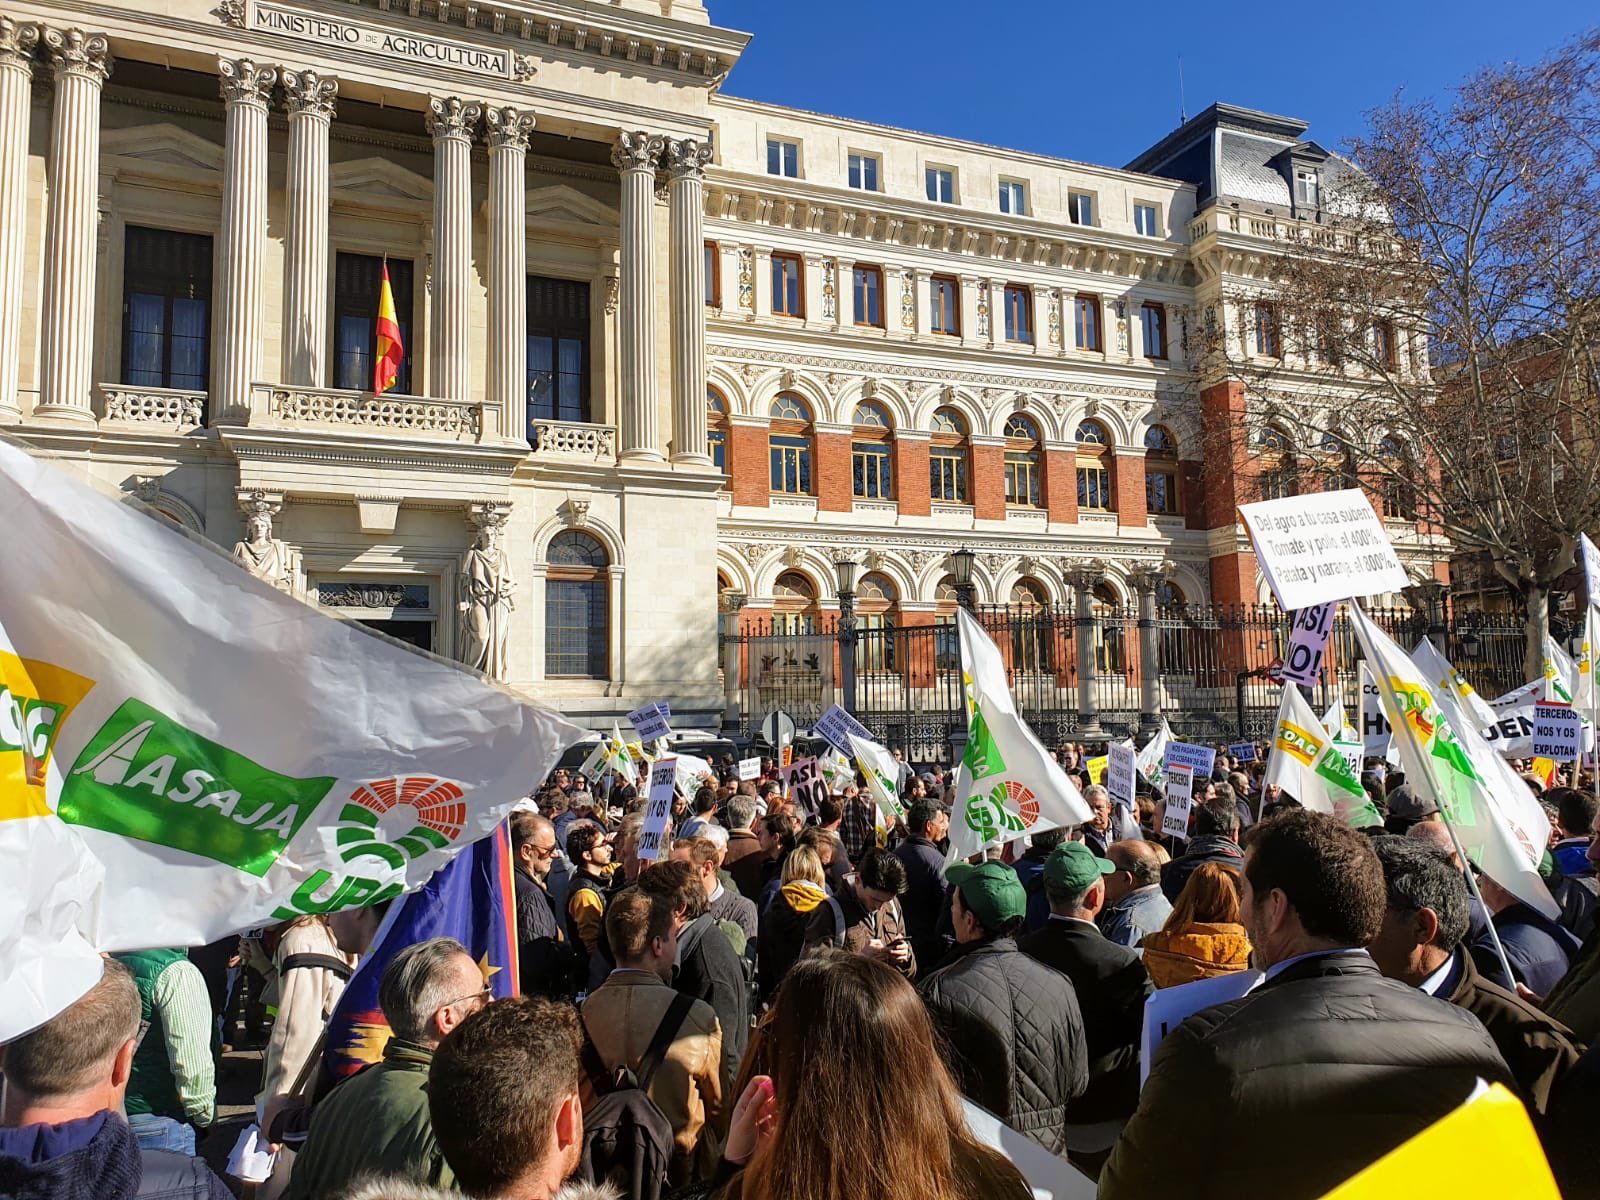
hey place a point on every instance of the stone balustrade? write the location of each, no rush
(171, 408)
(573, 439)
(430, 419)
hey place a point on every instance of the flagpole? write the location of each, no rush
(1472, 885)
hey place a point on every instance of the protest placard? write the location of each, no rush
(1557, 731)
(1180, 798)
(651, 721)
(1096, 768)
(804, 785)
(1376, 736)
(749, 768)
(1199, 759)
(1244, 752)
(835, 727)
(1121, 763)
(1169, 1007)
(1308, 643)
(1322, 546)
(663, 776)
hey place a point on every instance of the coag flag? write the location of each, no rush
(881, 771)
(1445, 678)
(1305, 762)
(1495, 817)
(188, 752)
(1560, 672)
(388, 352)
(1009, 785)
(470, 899)
(1586, 695)
(1153, 758)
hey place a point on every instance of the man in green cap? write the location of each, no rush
(1013, 1035)
(1112, 986)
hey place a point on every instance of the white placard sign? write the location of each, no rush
(1557, 732)
(1590, 555)
(835, 727)
(1180, 798)
(651, 721)
(1121, 766)
(340, 33)
(749, 768)
(1308, 643)
(803, 782)
(658, 816)
(1376, 735)
(1322, 546)
(1244, 752)
(1511, 735)
(1201, 760)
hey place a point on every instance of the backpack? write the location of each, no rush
(627, 1140)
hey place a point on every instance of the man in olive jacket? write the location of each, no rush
(376, 1122)
(1325, 1067)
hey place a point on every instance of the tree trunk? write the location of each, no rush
(1536, 621)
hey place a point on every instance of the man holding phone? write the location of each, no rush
(865, 917)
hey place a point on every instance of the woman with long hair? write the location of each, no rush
(1202, 936)
(844, 1096)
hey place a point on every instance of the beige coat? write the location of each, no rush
(306, 997)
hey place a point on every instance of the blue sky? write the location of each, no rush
(1098, 81)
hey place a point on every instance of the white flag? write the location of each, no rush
(1153, 758)
(880, 770)
(201, 753)
(1009, 785)
(1560, 672)
(1586, 696)
(1305, 762)
(1436, 669)
(1495, 817)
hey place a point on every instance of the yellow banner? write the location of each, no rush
(36, 699)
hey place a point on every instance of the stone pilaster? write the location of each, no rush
(686, 161)
(452, 123)
(508, 131)
(309, 98)
(81, 61)
(1147, 582)
(635, 157)
(16, 78)
(236, 331)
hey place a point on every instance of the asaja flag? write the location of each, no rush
(1152, 759)
(1009, 785)
(389, 351)
(882, 773)
(1445, 678)
(188, 752)
(1305, 762)
(1495, 817)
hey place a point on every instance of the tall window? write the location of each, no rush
(872, 478)
(946, 637)
(575, 607)
(1338, 471)
(1019, 314)
(356, 280)
(947, 458)
(788, 290)
(1080, 208)
(1094, 475)
(1153, 324)
(1307, 189)
(1110, 651)
(1398, 497)
(717, 428)
(864, 172)
(794, 606)
(1032, 643)
(1022, 461)
(1268, 343)
(1086, 322)
(783, 158)
(1383, 344)
(1160, 472)
(558, 349)
(1014, 197)
(944, 292)
(875, 604)
(789, 445)
(166, 308)
(1147, 220)
(867, 283)
(941, 183)
(713, 275)
(1280, 471)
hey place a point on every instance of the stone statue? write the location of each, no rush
(263, 555)
(485, 588)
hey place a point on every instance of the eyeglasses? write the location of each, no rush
(485, 994)
(543, 852)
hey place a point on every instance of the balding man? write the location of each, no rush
(1135, 905)
(545, 960)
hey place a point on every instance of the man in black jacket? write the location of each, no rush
(924, 901)
(1325, 1067)
(1012, 1033)
(1215, 827)
(544, 958)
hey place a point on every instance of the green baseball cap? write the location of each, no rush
(991, 891)
(1072, 867)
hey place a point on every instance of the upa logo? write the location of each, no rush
(989, 813)
(35, 701)
(404, 816)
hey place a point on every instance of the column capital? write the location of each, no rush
(309, 93)
(1149, 577)
(449, 117)
(686, 158)
(74, 52)
(17, 42)
(508, 127)
(245, 81)
(1083, 574)
(637, 151)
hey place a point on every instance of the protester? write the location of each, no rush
(1135, 904)
(544, 958)
(1572, 879)
(1097, 830)
(1575, 1001)
(173, 1085)
(1539, 950)
(830, 850)
(726, 907)
(1203, 935)
(623, 1015)
(376, 1121)
(741, 842)
(1029, 867)
(1012, 1030)
(926, 899)
(1479, 940)
(1321, 1070)
(864, 915)
(589, 851)
(705, 810)
(776, 837)
(62, 1135)
(858, 826)
(312, 970)
(1214, 838)
(783, 925)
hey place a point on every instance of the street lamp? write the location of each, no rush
(844, 572)
(961, 573)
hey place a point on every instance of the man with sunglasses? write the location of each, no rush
(543, 953)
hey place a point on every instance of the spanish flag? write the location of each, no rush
(390, 351)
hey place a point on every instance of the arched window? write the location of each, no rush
(1022, 461)
(872, 477)
(1174, 634)
(717, 428)
(1110, 632)
(875, 619)
(1337, 470)
(1094, 469)
(576, 609)
(789, 444)
(1031, 642)
(1398, 496)
(1280, 471)
(946, 641)
(1161, 472)
(794, 604)
(947, 458)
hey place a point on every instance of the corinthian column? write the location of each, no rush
(509, 129)
(16, 76)
(236, 338)
(309, 98)
(686, 161)
(81, 62)
(635, 157)
(451, 122)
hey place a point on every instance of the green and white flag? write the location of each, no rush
(1306, 762)
(1560, 672)
(1498, 822)
(1445, 679)
(1152, 760)
(1586, 695)
(186, 752)
(1009, 785)
(880, 770)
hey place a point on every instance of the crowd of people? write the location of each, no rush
(782, 1003)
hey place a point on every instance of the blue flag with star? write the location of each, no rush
(472, 900)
